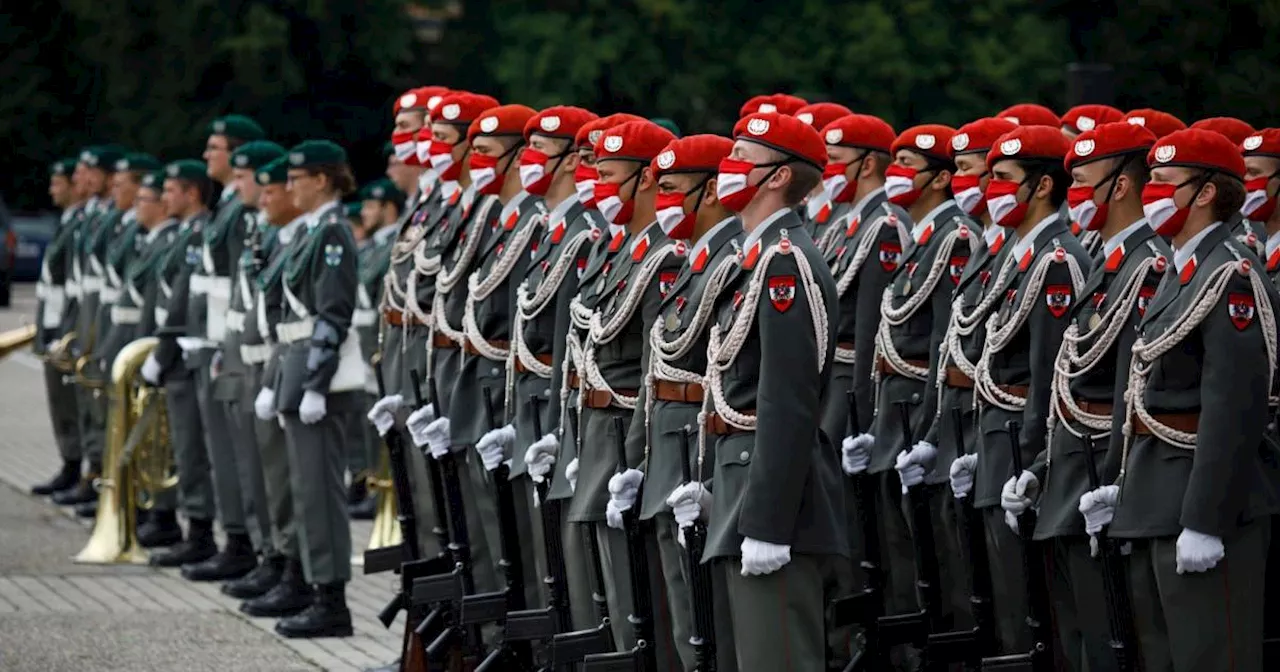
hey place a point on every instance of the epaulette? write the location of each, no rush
(962, 227)
(1243, 266)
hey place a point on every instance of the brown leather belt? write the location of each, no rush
(1016, 390)
(470, 349)
(716, 426)
(396, 318)
(1183, 422)
(887, 369)
(845, 346)
(441, 342)
(521, 368)
(1090, 407)
(573, 381)
(602, 398)
(670, 390)
(958, 378)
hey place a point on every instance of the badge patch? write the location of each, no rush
(333, 254)
(782, 292)
(959, 141)
(1084, 147)
(890, 253)
(489, 124)
(1011, 146)
(1240, 308)
(550, 123)
(582, 267)
(1165, 153)
(613, 143)
(1058, 298)
(926, 141)
(956, 268)
(758, 126)
(1144, 299)
(681, 302)
(193, 255)
(666, 159)
(665, 280)
(834, 136)
(806, 117)
(1253, 142)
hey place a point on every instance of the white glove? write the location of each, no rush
(1020, 493)
(417, 423)
(437, 437)
(311, 410)
(1098, 507)
(151, 370)
(762, 557)
(856, 453)
(912, 465)
(264, 405)
(541, 456)
(1011, 519)
(690, 502)
(215, 364)
(624, 488)
(495, 445)
(612, 515)
(962, 475)
(571, 473)
(383, 413)
(1198, 552)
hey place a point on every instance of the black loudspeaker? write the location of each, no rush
(1090, 83)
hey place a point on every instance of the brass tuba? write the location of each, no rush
(137, 465)
(16, 339)
(62, 356)
(386, 527)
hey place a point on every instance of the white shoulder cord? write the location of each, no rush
(479, 289)
(1001, 335)
(846, 355)
(448, 278)
(832, 235)
(529, 307)
(1146, 353)
(895, 317)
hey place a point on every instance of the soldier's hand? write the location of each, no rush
(264, 405)
(1011, 519)
(912, 465)
(761, 557)
(495, 446)
(1019, 493)
(962, 475)
(689, 503)
(612, 516)
(384, 411)
(1098, 507)
(417, 423)
(541, 456)
(312, 408)
(151, 370)
(437, 437)
(855, 453)
(571, 473)
(624, 488)
(1198, 552)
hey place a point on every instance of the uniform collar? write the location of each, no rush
(187, 222)
(561, 211)
(227, 192)
(926, 222)
(288, 231)
(756, 235)
(862, 203)
(993, 236)
(130, 216)
(615, 229)
(1183, 255)
(816, 203)
(643, 238)
(1116, 242)
(313, 217)
(449, 189)
(1027, 242)
(153, 233)
(1273, 243)
(427, 181)
(710, 235)
(512, 206)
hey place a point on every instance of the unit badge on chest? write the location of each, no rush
(1144, 299)
(1058, 298)
(672, 321)
(782, 292)
(890, 252)
(333, 254)
(665, 280)
(1240, 308)
(955, 266)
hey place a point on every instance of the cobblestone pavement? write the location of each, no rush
(58, 616)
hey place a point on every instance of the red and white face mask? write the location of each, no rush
(1003, 204)
(440, 155)
(836, 184)
(484, 174)
(584, 183)
(1258, 204)
(422, 148)
(404, 146)
(1160, 207)
(1084, 210)
(900, 185)
(675, 222)
(968, 194)
(533, 172)
(733, 186)
(608, 196)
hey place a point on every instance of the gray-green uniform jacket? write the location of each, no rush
(236, 372)
(1119, 289)
(171, 313)
(822, 218)
(1219, 371)
(100, 232)
(269, 307)
(122, 248)
(85, 260)
(373, 261)
(134, 314)
(1252, 235)
(54, 300)
(780, 483)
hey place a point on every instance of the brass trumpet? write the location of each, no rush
(16, 339)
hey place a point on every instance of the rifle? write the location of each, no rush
(968, 646)
(404, 557)
(700, 585)
(1038, 659)
(641, 658)
(866, 606)
(1119, 609)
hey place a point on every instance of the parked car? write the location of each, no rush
(8, 255)
(34, 233)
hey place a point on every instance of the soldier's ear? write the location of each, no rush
(570, 163)
(782, 177)
(646, 181)
(1208, 192)
(1044, 187)
(1124, 185)
(941, 180)
(709, 193)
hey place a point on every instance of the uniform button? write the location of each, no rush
(546, 392)
(744, 456)
(493, 371)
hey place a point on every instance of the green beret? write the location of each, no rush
(667, 124)
(138, 162)
(382, 189)
(101, 156)
(237, 126)
(256, 154)
(316, 153)
(275, 172)
(153, 180)
(388, 149)
(186, 169)
(352, 209)
(63, 167)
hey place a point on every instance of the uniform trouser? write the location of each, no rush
(222, 453)
(953, 555)
(92, 409)
(273, 452)
(533, 556)
(1008, 582)
(673, 608)
(426, 517)
(195, 488)
(579, 571)
(1202, 621)
(897, 560)
(64, 412)
(778, 618)
(362, 442)
(317, 462)
(1078, 598)
(617, 580)
(482, 519)
(252, 481)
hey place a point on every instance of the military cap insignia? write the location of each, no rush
(1010, 147)
(451, 111)
(332, 254)
(594, 136)
(926, 141)
(613, 143)
(264, 177)
(242, 161)
(666, 159)
(407, 100)
(1084, 147)
(806, 117)
(959, 141)
(1014, 121)
(955, 267)
(767, 107)
(172, 170)
(122, 164)
(219, 126)
(758, 126)
(834, 136)
(1137, 121)
(890, 252)
(297, 158)
(1085, 123)
(149, 181)
(432, 102)
(549, 123)
(489, 124)
(1252, 142)
(1058, 299)
(782, 292)
(1240, 308)
(378, 192)
(1144, 299)
(1165, 153)
(89, 158)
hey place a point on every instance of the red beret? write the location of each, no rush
(1031, 114)
(1159, 123)
(462, 108)
(818, 115)
(633, 141)
(590, 132)
(933, 141)
(1234, 129)
(861, 131)
(1029, 143)
(1198, 148)
(978, 136)
(561, 121)
(692, 154)
(501, 120)
(778, 102)
(785, 134)
(1109, 140)
(421, 98)
(1263, 143)
(1083, 118)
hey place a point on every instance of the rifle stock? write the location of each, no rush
(1119, 609)
(700, 582)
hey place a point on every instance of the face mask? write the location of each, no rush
(533, 172)
(441, 156)
(484, 174)
(1257, 206)
(836, 184)
(1084, 211)
(968, 194)
(584, 183)
(900, 185)
(609, 201)
(1003, 204)
(422, 151)
(732, 185)
(675, 222)
(1160, 209)
(403, 145)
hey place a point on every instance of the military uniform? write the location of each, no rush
(95, 236)
(54, 302)
(374, 259)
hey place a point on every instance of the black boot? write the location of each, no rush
(159, 528)
(197, 547)
(257, 582)
(79, 494)
(87, 510)
(327, 616)
(366, 509)
(287, 598)
(234, 561)
(65, 478)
